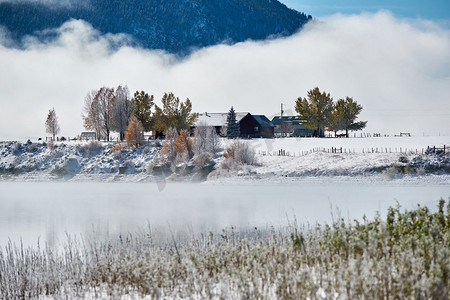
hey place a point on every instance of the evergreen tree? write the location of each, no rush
(344, 115)
(143, 104)
(233, 130)
(174, 114)
(51, 124)
(316, 110)
(336, 122)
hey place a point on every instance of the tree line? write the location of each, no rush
(109, 110)
(112, 109)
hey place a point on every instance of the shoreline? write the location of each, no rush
(110, 162)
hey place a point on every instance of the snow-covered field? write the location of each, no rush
(296, 145)
(391, 156)
(286, 157)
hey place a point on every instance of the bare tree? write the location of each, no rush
(98, 111)
(91, 114)
(51, 124)
(105, 98)
(200, 136)
(122, 111)
(206, 140)
(286, 127)
(214, 141)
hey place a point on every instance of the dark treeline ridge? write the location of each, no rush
(176, 26)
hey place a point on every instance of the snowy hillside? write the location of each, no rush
(289, 157)
(71, 161)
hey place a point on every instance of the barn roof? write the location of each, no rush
(294, 119)
(263, 121)
(217, 119)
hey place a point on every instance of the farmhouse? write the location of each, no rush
(291, 126)
(251, 126)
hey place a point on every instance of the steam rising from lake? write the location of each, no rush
(47, 211)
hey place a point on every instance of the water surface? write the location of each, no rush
(47, 211)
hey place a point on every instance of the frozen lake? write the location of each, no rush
(46, 211)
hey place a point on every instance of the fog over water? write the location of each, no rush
(34, 211)
(398, 69)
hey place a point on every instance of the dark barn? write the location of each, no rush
(256, 126)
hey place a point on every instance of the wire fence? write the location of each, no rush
(429, 150)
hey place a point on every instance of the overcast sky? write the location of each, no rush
(397, 68)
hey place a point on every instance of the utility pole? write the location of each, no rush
(281, 120)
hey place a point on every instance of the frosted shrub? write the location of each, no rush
(32, 147)
(159, 164)
(51, 145)
(117, 155)
(92, 147)
(421, 171)
(16, 148)
(117, 147)
(127, 167)
(201, 160)
(116, 150)
(393, 172)
(241, 153)
(227, 164)
(169, 150)
(181, 163)
(403, 159)
(147, 150)
(158, 143)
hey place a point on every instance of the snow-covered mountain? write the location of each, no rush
(176, 26)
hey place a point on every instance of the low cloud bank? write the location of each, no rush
(58, 3)
(399, 70)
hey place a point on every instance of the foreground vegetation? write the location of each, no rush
(404, 256)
